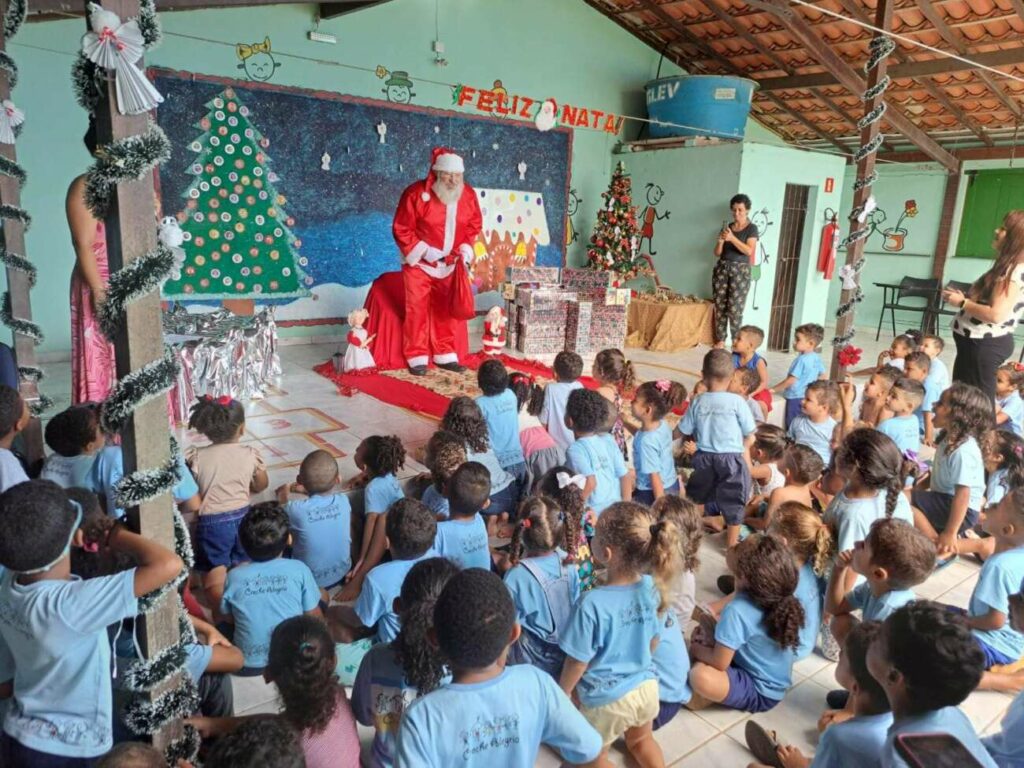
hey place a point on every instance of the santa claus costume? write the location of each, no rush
(432, 235)
(494, 332)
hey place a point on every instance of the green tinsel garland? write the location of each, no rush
(183, 546)
(149, 24)
(20, 263)
(87, 82)
(145, 717)
(17, 324)
(8, 65)
(15, 213)
(186, 748)
(145, 274)
(136, 389)
(17, 11)
(12, 169)
(127, 159)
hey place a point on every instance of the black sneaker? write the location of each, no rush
(418, 370)
(453, 367)
(837, 699)
(726, 583)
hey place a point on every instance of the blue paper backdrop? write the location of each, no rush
(343, 216)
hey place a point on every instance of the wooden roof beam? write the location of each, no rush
(846, 74)
(1003, 152)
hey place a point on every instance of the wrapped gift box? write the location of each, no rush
(543, 299)
(577, 328)
(586, 278)
(532, 275)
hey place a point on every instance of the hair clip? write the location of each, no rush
(1018, 449)
(1018, 367)
(527, 523)
(305, 645)
(663, 385)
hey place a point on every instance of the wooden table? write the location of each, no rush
(666, 326)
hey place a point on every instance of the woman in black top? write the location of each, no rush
(730, 279)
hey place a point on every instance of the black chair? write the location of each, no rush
(895, 297)
(941, 309)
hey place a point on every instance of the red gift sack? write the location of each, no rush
(463, 305)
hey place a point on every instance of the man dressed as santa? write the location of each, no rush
(436, 223)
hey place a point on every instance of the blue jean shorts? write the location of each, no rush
(935, 507)
(743, 694)
(503, 501)
(217, 541)
(993, 657)
(646, 497)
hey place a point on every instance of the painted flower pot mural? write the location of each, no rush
(896, 237)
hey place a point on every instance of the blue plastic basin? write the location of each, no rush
(709, 105)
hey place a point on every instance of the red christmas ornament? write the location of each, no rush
(849, 355)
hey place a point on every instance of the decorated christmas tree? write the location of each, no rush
(613, 246)
(238, 240)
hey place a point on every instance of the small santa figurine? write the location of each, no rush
(358, 356)
(494, 331)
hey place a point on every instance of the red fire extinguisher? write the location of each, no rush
(829, 246)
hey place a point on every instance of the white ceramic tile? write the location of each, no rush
(721, 718)
(812, 665)
(945, 579)
(720, 752)
(683, 734)
(250, 692)
(984, 707)
(794, 719)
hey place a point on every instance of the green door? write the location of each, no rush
(990, 195)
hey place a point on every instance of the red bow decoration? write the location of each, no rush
(849, 355)
(517, 377)
(527, 523)
(1018, 367)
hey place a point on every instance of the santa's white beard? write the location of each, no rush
(446, 194)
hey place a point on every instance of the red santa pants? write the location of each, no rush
(429, 328)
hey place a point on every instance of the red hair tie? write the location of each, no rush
(1018, 367)
(225, 400)
(527, 523)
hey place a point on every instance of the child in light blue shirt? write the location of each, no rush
(53, 628)
(380, 458)
(614, 627)
(932, 346)
(567, 367)
(393, 675)
(75, 438)
(595, 455)
(756, 640)
(500, 408)
(916, 368)
(444, 454)
(893, 558)
(321, 524)
(490, 714)
(14, 417)
(1007, 746)
(815, 425)
(462, 538)
(260, 594)
(1009, 404)
(543, 586)
(807, 367)
(721, 424)
(411, 529)
(857, 741)
(904, 400)
(652, 444)
(1003, 454)
(109, 469)
(926, 680)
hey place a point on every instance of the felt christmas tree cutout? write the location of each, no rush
(613, 245)
(238, 241)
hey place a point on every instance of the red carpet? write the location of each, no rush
(421, 398)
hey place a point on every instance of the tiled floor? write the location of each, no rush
(309, 413)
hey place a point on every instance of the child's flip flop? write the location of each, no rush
(763, 744)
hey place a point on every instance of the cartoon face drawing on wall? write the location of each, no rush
(398, 88)
(654, 194)
(257, 61)
(574, 202)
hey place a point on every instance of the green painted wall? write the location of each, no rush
(562, 49)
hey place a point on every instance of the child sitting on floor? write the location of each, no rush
(380, 458)
(926, 660)
(500, 409)
(801, 467)
(807, 367)
(687, 518)
(594, 453)
(932, 346)
(874, 405)
(814, 426)
(540, 449)
(1009, 405)
(615, 377)
(904, 400)
(743, 382)
(765, 456)
(53, 627)
(896, 355)
(609, 639)
(744, 356)
(321, 524)
(568, 368)
(227, 472)
(14, 417)
(392, 675)
(261, 594)
(918, 364)
(462, 538)
(544, 587)
(1007, 746)
(410, 528)
(1003, 453)
(445, 453)
(75, 438)
(488, 705)
(465, 419)
(722, 426)
(652, 443)
(748, 663)
(856, 742)
(566, 489)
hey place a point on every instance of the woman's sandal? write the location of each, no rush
(763, 744)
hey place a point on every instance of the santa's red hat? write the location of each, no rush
(442, 159)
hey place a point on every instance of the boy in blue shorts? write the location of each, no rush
(721, 424)
(490, 714)
(926, 660)
(260, 594)
(462, 538)
(410, 530)
(321, 525)
(53, 626)
(807, 367)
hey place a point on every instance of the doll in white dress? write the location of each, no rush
(358, 356)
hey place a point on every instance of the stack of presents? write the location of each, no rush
(551, 309)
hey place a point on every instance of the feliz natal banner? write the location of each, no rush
(499, 102)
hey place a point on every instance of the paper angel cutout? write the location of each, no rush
(869, 205)
(118, 47)
(522, 170)
(325, 161)
(382, 131)
(171, 237)
(10, 118)
(849, 277)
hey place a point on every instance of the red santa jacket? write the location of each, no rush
(428, 232)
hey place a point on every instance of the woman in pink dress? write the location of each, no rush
(92, 355)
